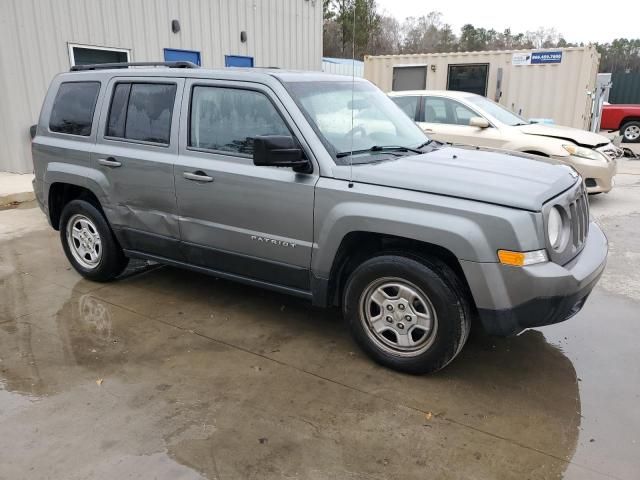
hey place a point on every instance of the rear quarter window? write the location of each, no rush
(73, 108)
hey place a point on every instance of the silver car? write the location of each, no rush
(318, 186)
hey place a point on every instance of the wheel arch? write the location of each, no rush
(358, 246)
(61, 193)
(629, 118)
(64, 182)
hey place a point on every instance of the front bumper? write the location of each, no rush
(598, 176)
(511, 299)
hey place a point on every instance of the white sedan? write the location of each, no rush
(470, 119)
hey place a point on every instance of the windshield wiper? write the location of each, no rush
(381, 149)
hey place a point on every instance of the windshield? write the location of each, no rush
(497, 111)
(377, 121)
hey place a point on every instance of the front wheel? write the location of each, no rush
(89, 243)
(630, 132)
(409, 314)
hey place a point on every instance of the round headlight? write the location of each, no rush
(554, 227)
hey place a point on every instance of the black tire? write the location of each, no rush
(446, 295)
(635, 125)
(112, 260)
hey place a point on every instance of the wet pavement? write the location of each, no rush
(170, 374)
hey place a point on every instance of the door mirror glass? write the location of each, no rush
(478, 122)
(279, 151)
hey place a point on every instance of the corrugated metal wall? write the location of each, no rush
(557, 91)
(344, 68)
(625, 88)
(34, 38)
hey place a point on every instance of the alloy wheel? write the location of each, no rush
(398, 316)
(84, 241)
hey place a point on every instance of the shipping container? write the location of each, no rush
(552, 84)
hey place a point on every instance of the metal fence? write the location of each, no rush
(342, 66)
(625, 88)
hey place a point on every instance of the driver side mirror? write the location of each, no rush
(478, 122)
(279, 151)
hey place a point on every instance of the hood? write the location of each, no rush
(512, 180)
(575, 135)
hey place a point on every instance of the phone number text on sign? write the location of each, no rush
(546, 57)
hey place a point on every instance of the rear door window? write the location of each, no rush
(408, 105)
(445, 110)
(228, 119)
(435, 110)
(141, 112)
(73, 108)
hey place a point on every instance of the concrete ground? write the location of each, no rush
(15, 188)
(169, 374)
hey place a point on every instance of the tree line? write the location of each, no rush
(378, 33)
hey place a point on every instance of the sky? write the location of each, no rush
(577, 21)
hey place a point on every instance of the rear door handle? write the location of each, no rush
(109, 162)
(198, 176)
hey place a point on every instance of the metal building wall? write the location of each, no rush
(557, 91)
(34, 38)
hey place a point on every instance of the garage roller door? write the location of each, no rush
(409, 78)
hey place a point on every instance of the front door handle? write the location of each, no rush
(109, 162)
(198, 176)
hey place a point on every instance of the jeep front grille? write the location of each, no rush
(574, 203)
(579, 214)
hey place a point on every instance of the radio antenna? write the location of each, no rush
(353, 85)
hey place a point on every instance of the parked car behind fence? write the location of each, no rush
(625, 118)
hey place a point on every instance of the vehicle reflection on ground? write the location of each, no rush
(195, 351)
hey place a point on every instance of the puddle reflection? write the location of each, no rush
(522, 389)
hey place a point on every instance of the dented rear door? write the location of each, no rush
(136, 149)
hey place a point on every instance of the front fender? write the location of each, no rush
(471, 230)
(551, 147)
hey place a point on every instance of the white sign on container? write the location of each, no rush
(521, 59)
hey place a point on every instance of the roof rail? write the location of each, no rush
(103, 66)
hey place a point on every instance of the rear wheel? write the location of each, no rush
(89, 243)
(409, 314)
(630, 132)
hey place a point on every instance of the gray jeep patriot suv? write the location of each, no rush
(318, 186)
